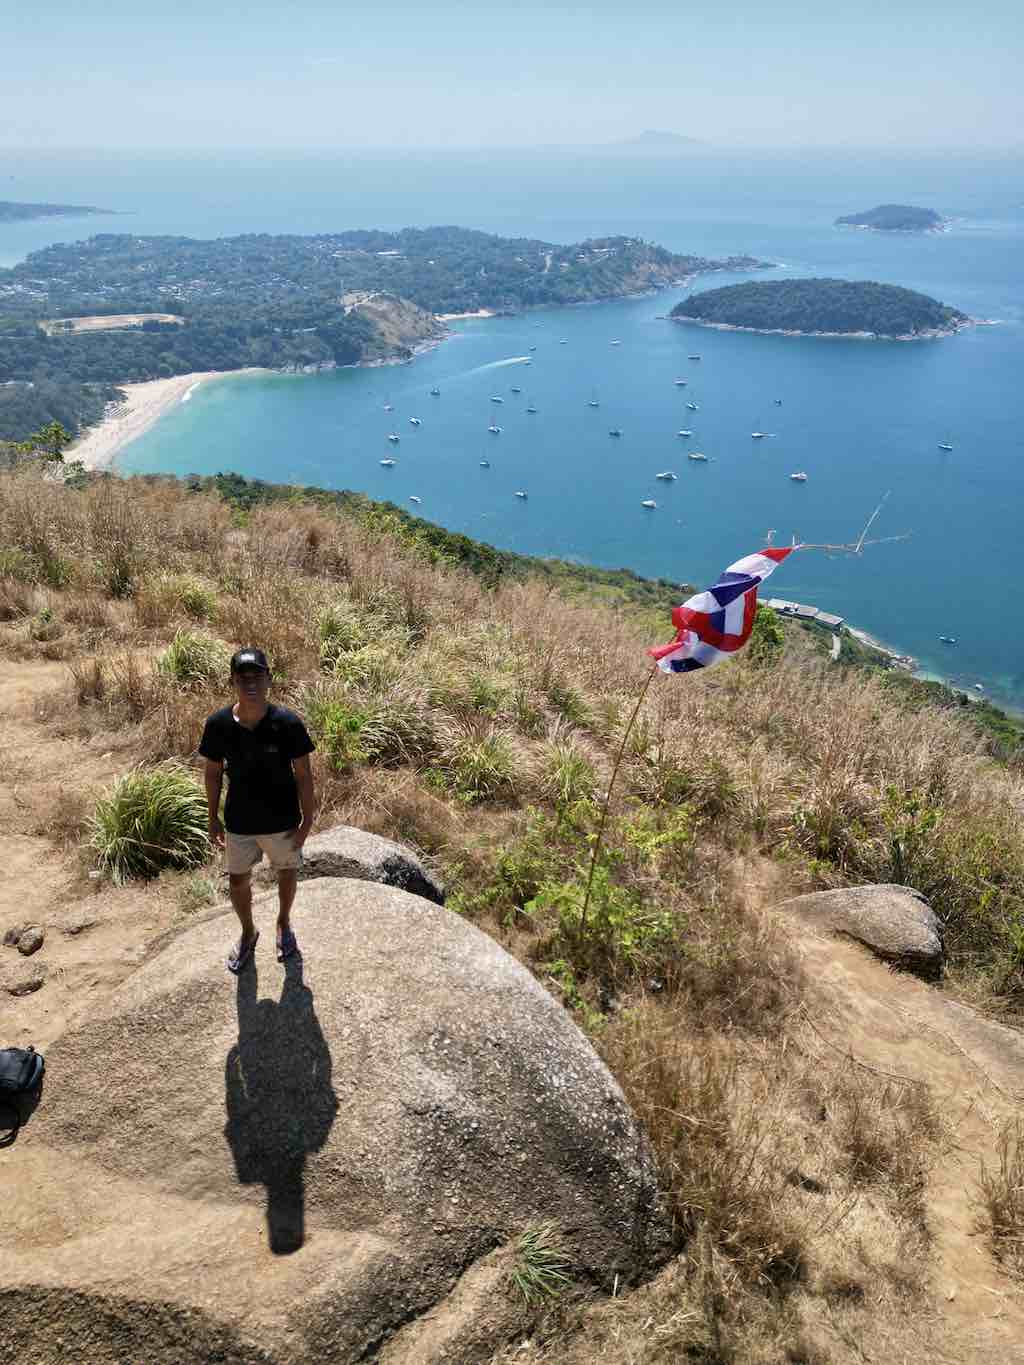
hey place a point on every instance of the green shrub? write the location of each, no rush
(337, 727)
(151, 819)
(622, 929)
(194, 657)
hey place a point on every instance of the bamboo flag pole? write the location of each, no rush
(608, 796)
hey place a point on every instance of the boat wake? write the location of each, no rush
(500, 364)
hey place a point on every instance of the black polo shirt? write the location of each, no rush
(262, 794)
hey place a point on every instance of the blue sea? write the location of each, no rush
(862, 419)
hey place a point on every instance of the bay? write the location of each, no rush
(861, 418)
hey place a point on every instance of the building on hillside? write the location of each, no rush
(800, 611)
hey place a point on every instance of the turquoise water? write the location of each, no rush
(862, 418)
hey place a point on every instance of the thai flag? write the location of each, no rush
(717, 623)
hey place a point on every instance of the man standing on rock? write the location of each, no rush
(269, 807)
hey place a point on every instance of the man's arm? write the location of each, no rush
(214, 778)
(303, 770)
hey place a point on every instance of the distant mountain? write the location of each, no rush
(894, 218)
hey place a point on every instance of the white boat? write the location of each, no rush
(944, 445)
(615, 431)
(485, 464)
(684, 432)
(616, 342)
(414, 498)
(414, 421)
(520, 493)
(435, 392)
(531, 408)
(693, 407)
(388, 463)
(389, 407)
(680, 383)
(697, 455)
(563, 342)
(758, 435)
(693, 357)
(649, 503)
(496, 399)
(800, 477)
(778, 402)
(394, 438)
(495, 431)
(948, 639)
(593, 403)
(666, 474)
(516, 389)
(978, 687)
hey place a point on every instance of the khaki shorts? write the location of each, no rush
(243, 851)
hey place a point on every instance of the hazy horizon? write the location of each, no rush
(460, 78)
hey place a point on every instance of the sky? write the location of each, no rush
(330, 74)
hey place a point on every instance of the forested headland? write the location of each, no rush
(276, 301)
(823, 306)
(894, 218)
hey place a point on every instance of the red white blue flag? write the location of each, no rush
(715, 624)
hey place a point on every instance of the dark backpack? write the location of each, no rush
(21, 1072)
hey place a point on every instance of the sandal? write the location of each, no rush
(286, 945)
(242, 953)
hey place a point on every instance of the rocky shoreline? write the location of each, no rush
(928, 334)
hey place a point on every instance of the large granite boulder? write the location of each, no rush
(895, 922)
(299, 1163)
(345, 851)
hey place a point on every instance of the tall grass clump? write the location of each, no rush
(1002, 1191)
(193, 657)
(540, 1266)
(150, 819)
(481, 767)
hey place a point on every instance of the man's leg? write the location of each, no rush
(287, 880)
(240, 885)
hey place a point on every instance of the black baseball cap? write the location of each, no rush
(249, 657)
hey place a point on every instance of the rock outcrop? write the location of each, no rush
(345, 851)
(390, 1106)
(895, 922)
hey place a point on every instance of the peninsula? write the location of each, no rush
(118, 308)
(894, 218)
(822, 307)
(13, 212)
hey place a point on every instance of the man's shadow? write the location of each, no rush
(279, 1099)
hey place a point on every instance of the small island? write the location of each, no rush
(13, 212)
(822, 307)
(895, 218)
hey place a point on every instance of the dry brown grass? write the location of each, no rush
(1002, 1193)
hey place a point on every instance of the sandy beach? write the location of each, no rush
(123, 422)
